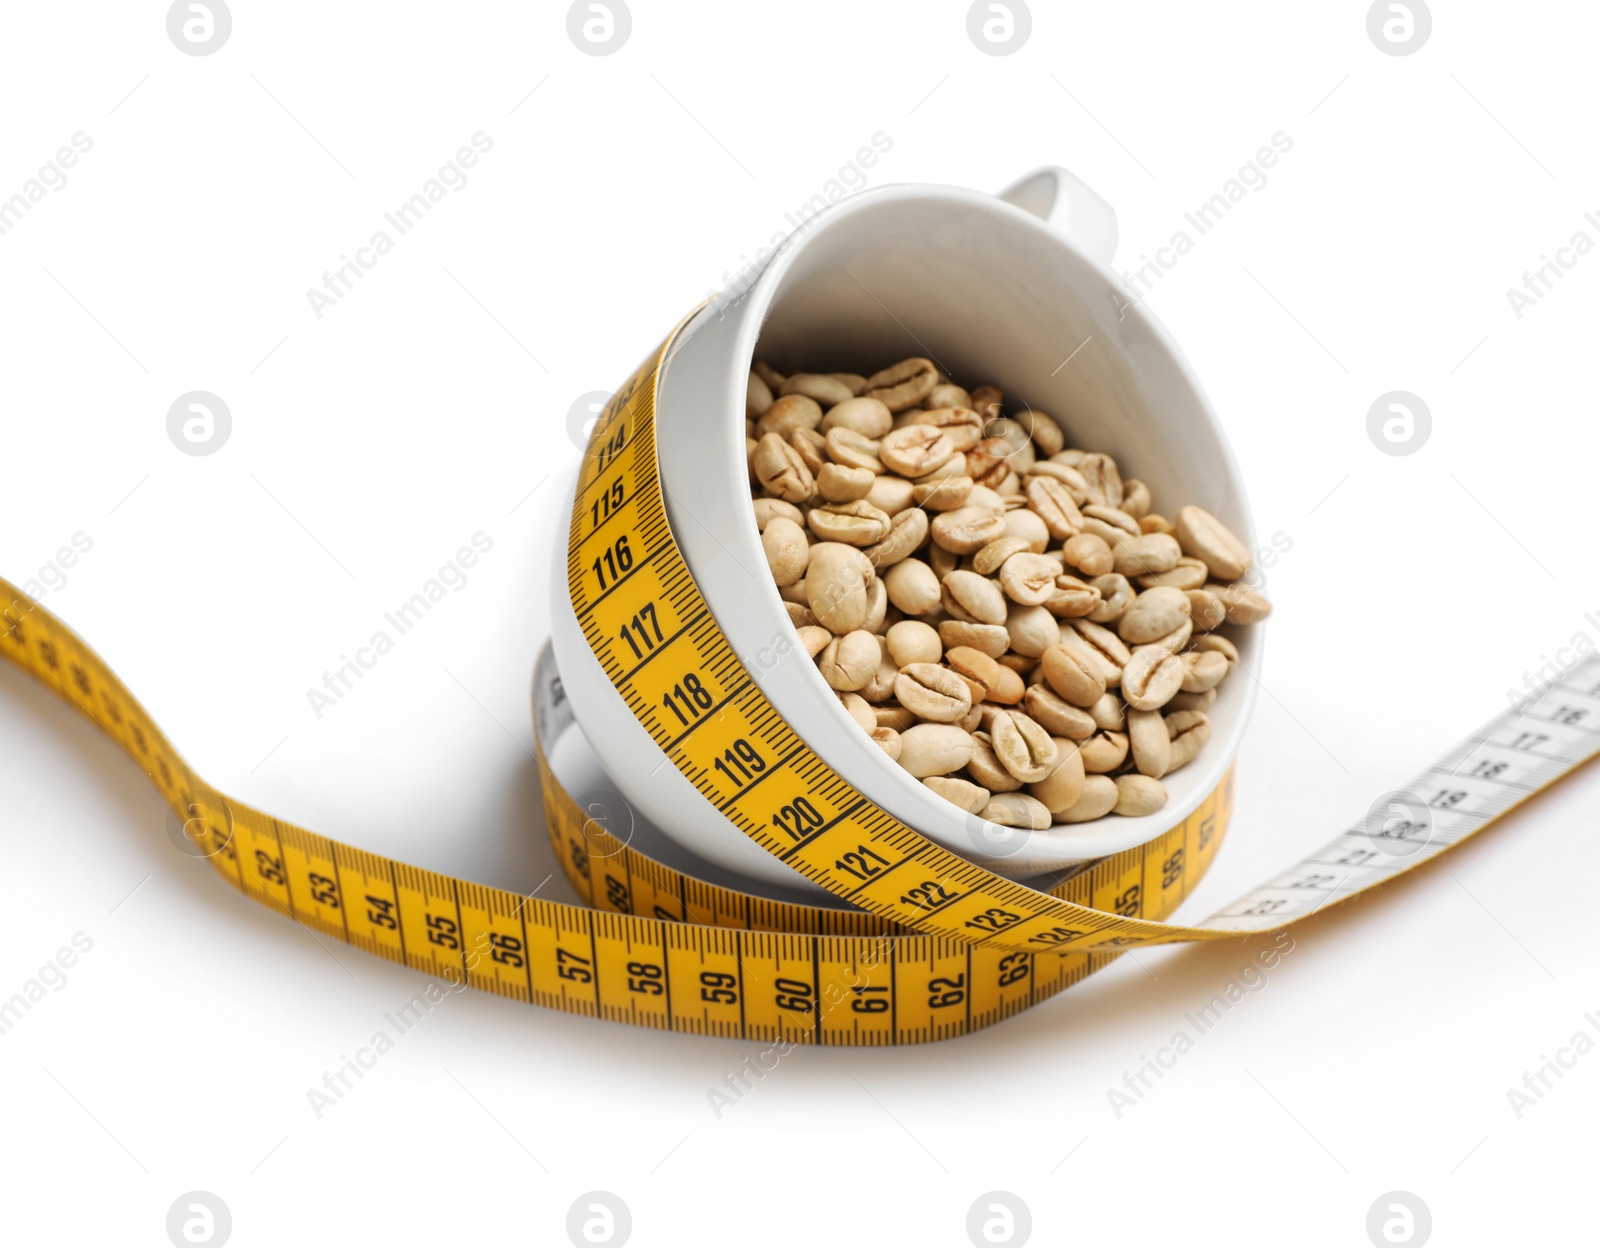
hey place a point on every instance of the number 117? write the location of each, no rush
(643, 632)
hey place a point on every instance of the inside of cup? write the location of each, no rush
(992, 295)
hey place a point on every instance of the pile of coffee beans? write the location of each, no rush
(1006, 616)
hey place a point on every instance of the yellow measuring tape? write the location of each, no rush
(934, 946)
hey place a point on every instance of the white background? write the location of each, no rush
(369, 444)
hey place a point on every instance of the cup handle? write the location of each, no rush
(1063, 200)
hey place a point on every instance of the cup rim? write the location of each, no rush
(1061, 843)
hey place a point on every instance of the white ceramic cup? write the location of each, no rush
(1014, 289)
